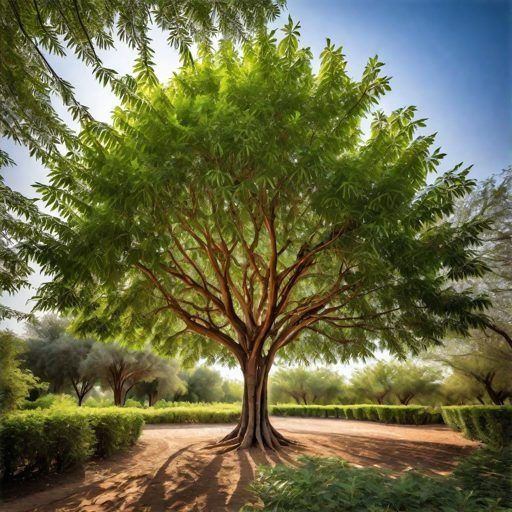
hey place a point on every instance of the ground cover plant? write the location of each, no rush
(235, 215)
(482, 482)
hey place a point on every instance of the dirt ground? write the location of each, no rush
(170, 469)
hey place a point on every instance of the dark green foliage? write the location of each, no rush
(481, 484)
(114, 430)
(489, 424)
(37, 442)
(401, 414)
(42, 442)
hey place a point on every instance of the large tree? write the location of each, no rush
(240, 213)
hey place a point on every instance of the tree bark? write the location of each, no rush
(254, 427)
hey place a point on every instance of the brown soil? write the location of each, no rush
(170, 469)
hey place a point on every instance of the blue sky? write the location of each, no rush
(450, 58)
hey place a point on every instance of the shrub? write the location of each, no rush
(114, 429)
(36, 442)
(324, 485)
(43, 441)
(491, 424)
(49, 401)
(401, 414)
(182, 414)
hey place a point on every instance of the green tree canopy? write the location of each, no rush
(203, 385)
(240, 212)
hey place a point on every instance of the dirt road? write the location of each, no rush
(171, 470)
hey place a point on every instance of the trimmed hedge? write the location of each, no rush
(44, 441)
(491, 424)
(400, 414)
(192, 415)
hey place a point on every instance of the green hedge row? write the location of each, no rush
(205, 414)
(491, 424)
(36, 442)
(401, 414)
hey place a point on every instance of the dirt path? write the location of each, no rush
(170, 469)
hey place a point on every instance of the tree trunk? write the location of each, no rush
(254, 428)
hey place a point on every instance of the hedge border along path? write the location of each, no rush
(399, 414)
(491, 424)
(45, 441)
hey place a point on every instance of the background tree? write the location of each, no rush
(239, 213)
(484, 358)
(168, 383)
(57, 358)
(306, 386)
(203, 385)
(42, 335)
(121, 369)
(233, 391)
(459, 389)
(15, 382)
(373, 383)
(493, 198)
(412, 382)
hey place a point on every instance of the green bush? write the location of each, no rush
(324, 485)
(182, 414)
(35, 442)
(51, 440)
(491, 424)
(49, 401)
(401, 414)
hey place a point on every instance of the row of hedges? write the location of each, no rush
(205, 414)
(37, 442)
(401, 414)
(490, 424)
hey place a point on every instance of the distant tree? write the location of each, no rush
(167, 383)
(484, 358)
(58, 358)
(411, 381)
(15, 382)
(203, 385)
(373, 383)
(121, 369)
(233, 391)
(493, 198)
(42, 335)
(306, 386)
(459, 389)
(240, 214)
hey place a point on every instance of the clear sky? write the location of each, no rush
(450, 58)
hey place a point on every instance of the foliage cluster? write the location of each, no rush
(489, 424)
(37, 442)
(480, 483)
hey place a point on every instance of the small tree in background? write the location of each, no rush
(484, 358)
(203, 385)
(413, 381)
(121, 369)
(233, 391)
(15, 382)
(239, 214)
(168, 383)
(373, 383)
(459, 389)
(306, 386)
